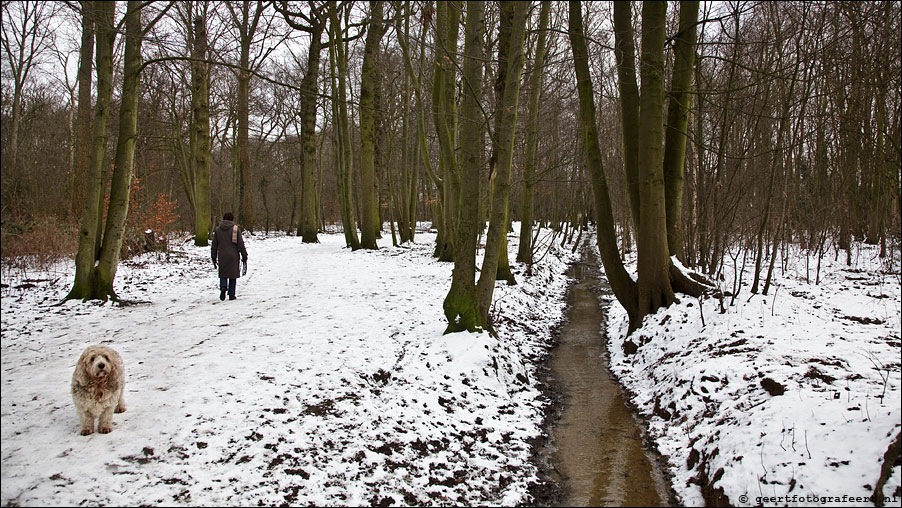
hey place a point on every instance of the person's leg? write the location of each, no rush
(232, 284)
(223, 285)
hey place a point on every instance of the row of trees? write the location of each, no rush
(696, 131)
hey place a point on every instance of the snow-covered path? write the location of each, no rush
(327, 381)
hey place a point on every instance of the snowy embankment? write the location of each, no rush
(786, 399)
(328, 381)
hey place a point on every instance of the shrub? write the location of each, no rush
(149, 224)
(37, 243)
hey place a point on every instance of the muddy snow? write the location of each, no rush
(328, 381)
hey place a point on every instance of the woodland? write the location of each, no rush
(422, 187)
(686, 132)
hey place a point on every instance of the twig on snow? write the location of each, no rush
(880, 368)
(700, 311)
(776, 288)
(866, 410)
(762, 464)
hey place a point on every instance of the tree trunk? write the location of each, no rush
(245, 193)
(123, 166)
(679, 101)
(402, 207)
(621, 283)
(878, 206)
(654, 286)
(511, 44)
(444, 109)
(370, 79)
(460, 303)
(849, 146)
(694, 217)
(382, 149)
(200, 121)
(14, 128)
(83, 116)
(102, 14)
(342, 131)
(309, 226)
(524, 253)
(420, 148)
(625, 53)
(506, 52)
(247, 27)
(395, 199)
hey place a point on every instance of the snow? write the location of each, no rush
(833, 346)
(328, 382)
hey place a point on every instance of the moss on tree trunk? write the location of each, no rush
(460, 303)
(89, 235)
(511, 35)
(369, 204)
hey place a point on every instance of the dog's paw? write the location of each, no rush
(105, 430)
(87, 432)
(120, 409)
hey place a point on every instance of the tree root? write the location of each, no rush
(691, 283)
(127, 303)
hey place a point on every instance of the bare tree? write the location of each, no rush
(525, 250)
(511, 46)
(444, 109)
(200, 127)
(312, 22)
(28, 35)
(460, 304)
(96, 278)
(254, 27)
(679, 100)
(338, 64)
(657, 276)
(369, 82)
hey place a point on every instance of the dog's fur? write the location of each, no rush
(97, 386)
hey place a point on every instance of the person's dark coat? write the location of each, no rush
(226, 251)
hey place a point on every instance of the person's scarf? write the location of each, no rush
(235, 233)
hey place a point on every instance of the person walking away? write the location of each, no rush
(227, 245)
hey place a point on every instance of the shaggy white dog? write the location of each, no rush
(97, 386)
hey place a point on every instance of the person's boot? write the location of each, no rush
(232, 297)
(222, 293)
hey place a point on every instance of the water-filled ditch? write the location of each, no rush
(595, 448)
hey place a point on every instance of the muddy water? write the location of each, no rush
(596, 446)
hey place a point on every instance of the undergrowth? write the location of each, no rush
(37, 243)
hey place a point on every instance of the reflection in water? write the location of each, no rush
(597, 447)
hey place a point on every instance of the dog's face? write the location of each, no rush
(97, 362)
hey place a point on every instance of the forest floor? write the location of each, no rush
(329, 382)
(786, 399)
